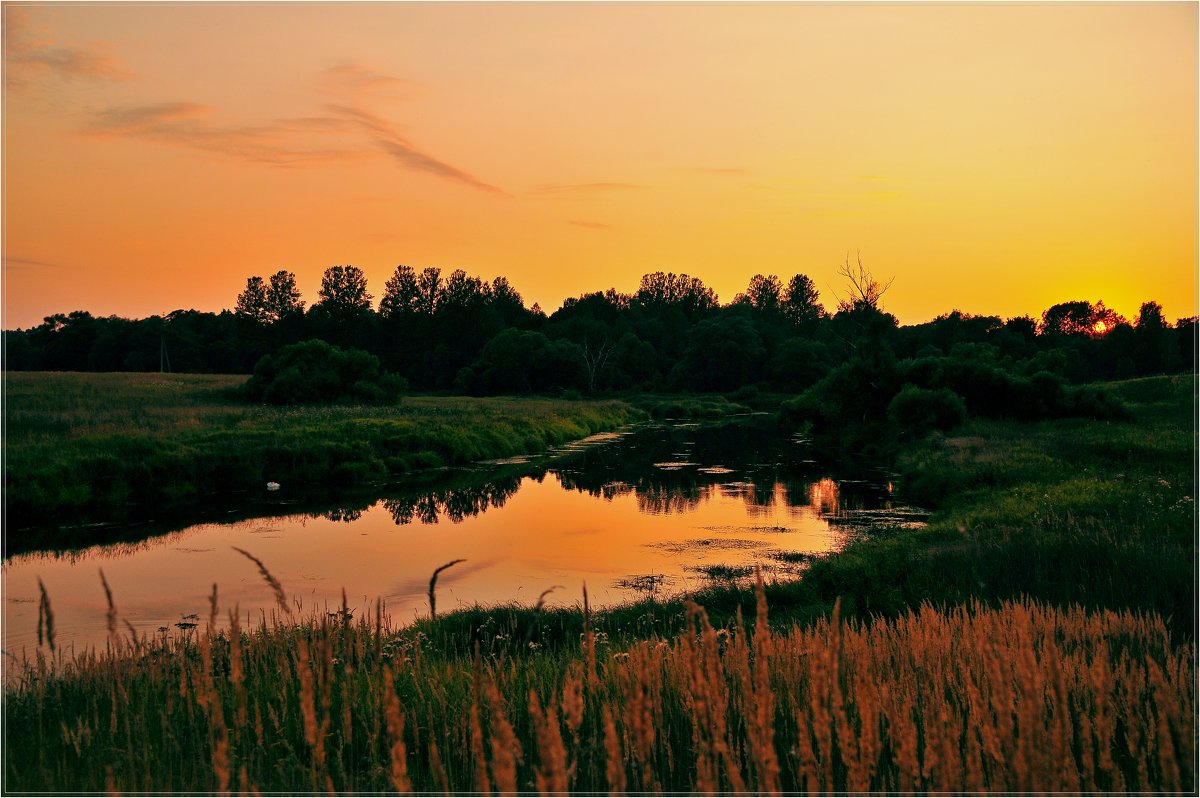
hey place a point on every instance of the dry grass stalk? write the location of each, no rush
(398, 759)
(614, 766)
(934, 701)
(212, 611)
(572, 699)
(552, 774)
(438, 768)
(762, 716)
(111, 616)
(276, 587)
(45, 617)
(589, 642)
(542, 597)
(433, 586)
(482, 783)
(506, 749)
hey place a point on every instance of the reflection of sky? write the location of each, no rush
(541, 535)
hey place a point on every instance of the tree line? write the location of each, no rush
(458, 332)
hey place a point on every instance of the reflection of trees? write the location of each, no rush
(456, 504)
(823, 496)
(664, 500)
(344, 514)
(759, 456)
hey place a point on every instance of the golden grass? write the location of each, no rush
(1018, 698)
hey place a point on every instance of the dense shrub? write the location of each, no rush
(521, 361)
(917, 410)
(993, 392)
(315, 372)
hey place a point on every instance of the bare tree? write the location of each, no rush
(595, 356)
(863, 289)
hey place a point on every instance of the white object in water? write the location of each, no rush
(272, 486)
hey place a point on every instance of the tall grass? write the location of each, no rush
(91, 444)
(1018, 698)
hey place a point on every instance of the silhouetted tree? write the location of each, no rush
(863, 290)
(430, 286)
(283, 296)
(723, 353)
(344, 288)
(688, 294)
(343, 315)
(764, 294)
(401, 294)
(802, 303)
(1155, 352)
(507, 303)
(252, 303)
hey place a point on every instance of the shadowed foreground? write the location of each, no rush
(1023, 698)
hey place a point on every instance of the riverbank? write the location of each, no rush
(97, 445)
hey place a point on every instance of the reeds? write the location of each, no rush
(1017, 698)
(433, 585)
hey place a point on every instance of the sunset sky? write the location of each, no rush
(992, 158)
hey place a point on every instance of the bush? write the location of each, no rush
(524, 361)
(917, 410)
(315, 372)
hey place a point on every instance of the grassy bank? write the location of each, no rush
(1020, 698)
(1066, 511)
(94, 444)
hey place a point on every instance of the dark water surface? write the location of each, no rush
(659, 509)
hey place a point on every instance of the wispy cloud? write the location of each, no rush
(343, 130)
(11, 262)
(387, 139)
(358, 78)
(140, 118)
(583, 188)
(30, 55)
(279, 142)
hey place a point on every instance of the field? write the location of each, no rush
(92, 445)
(1019, 698)
(1037, 636)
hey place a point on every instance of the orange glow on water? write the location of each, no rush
(543, 535)
(995, 158)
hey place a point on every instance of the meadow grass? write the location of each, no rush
(1020, 697)
(1102, 513)
(93, 444)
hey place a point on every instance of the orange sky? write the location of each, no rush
(994, 158)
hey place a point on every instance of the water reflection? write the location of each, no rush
(730, 499)
(455, 505)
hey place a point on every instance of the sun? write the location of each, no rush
(1100, 327)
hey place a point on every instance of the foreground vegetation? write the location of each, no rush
(96, 443)
(1037, 636)
(1021, 698)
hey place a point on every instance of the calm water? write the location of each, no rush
(659, 510)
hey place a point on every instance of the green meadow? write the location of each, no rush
(90, 446)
